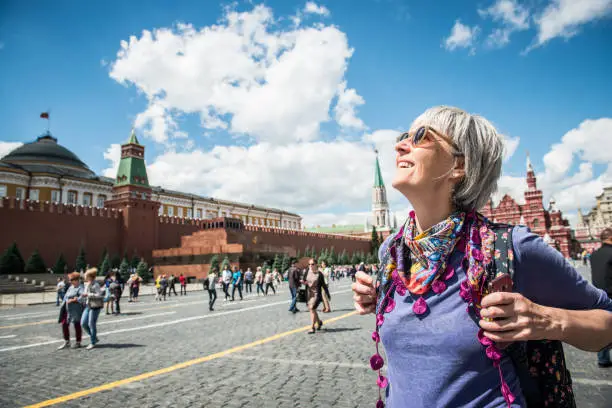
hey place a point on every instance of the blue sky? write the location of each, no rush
(288, 116)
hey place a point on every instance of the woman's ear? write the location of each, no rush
(458, 172)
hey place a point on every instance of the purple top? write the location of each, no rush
(437, 361)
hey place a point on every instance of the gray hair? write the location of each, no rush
(482, 148)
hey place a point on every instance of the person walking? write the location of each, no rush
(71, 310)
(108, 296)
(294, 277)
(315, 284)
(135, 287)
(183, 281)
(237, 279)
(248, 280)
(158, 287)
(467, 310)
(259, 281)
(61, 290)
(211, 283)
(115, 290)
(269, 281)
(94, 302)
(601, 274)
(226, 276)
(326, 271)
(163, 285)
(171, 287)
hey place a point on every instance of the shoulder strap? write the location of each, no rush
(504, 252)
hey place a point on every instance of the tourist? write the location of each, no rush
(259, 281)
(211, 280)
(237, 279)
(294, 285)
(61, 290)
(108, 297)
(276, 277)
(315, 285)
(447, 166)
(163, 286)
(227, 280)
(171, 287)
(158, 287)
(116, 290)
(135, 287)
(269, 281)
(248, 280)
(93, 305)
(601, 272)
(71, 310)
(325, 271)
(183, 281)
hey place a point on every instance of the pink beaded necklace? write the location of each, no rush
(476, 242)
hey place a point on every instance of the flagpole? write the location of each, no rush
(49, 120)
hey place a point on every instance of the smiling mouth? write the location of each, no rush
(405, 165)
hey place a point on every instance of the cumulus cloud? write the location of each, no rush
(313, 8)
(512, 17)
(245, 74)
(7, 147)
(462, 36)
(564, 18)
(510, 145)
(113, 155)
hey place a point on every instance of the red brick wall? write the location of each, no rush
(59, 228)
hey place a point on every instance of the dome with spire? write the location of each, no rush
(45, 155)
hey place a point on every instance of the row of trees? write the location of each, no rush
(11, 262)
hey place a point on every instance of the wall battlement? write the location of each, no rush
(12, 203)
(282, 231)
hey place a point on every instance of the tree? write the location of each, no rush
(81, 262)
(214, 263)
(354, 258)
(307, 252)
(276, 263)
(297, 254)
(142, 269)
(60, 265)
(17, 254)
(285, 263)
(375, 241)
(105, 266)
(226, 263)
(102, 258)
(343, 258)
(115, 261)
(124, 269)
(313, 253)
(9, 262)
(135, 261)
(35, 264)
(331, 257)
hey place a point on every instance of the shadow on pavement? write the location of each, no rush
(117, 345)
(339, 329)
(130, 313)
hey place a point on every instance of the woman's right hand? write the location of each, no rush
(364, 293)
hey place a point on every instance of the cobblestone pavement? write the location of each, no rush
(293, 369)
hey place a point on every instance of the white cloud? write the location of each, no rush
(510, 145)
(313, 8)
(462, 36)
(245, 74)
(563, 18)
(113, 155)
(348, 100)
(511, 15)
(7, 147)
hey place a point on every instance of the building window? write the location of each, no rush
(199, 213)
(34, 194)
(55, 196)
(171, 211)
(161, 210)
(2, 190)
(180, 212)
(87, 199)
(189, 213)
(101, 201)
(20, 193)
(72, 197)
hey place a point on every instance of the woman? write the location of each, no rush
(447, 166)
(269, 281)
(248, 280)
(108, 297)
(326, 271)
(259, 281)
(211, 282)
(135, 286)
(94, 302)
(315, 286)
(71, 310)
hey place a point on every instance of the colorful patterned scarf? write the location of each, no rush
(430, 250)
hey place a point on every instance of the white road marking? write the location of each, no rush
(10, 336)
(135, 318)
(587, 381)
(162, 324)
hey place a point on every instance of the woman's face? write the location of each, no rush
(75, 282)
(425, 166)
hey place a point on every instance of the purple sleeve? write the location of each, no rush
(545, 277)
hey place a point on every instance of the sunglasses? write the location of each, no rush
(311, 264)
(424, 134)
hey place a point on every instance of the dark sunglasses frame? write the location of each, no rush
(417, 137)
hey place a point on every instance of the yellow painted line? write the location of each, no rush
(185, 364)
(14, 326)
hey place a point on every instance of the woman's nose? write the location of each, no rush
(402, 147)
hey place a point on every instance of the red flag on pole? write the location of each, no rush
(44, 115)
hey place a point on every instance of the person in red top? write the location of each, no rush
(183, 281)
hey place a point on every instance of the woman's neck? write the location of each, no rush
(430, 213)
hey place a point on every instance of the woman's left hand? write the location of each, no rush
(516, 318)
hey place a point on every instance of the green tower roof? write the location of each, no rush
(132, 169)
(378, 180)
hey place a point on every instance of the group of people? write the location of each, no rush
(165, 285)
